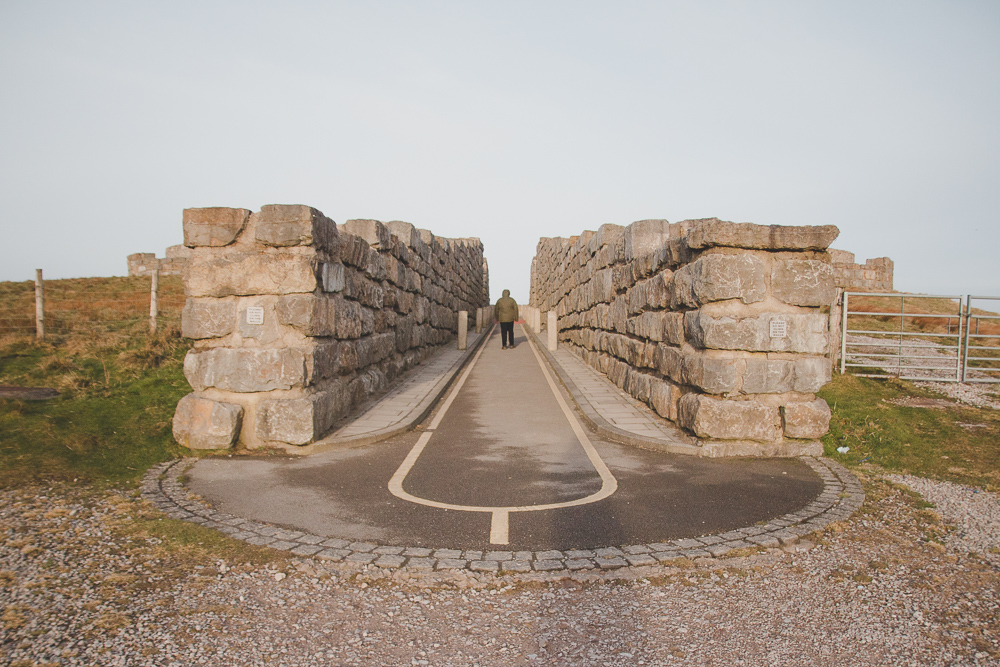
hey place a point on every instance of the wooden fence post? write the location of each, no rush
(39, 305)
(154, 300)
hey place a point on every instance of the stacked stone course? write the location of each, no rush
(144, 263)
(720, 327)
(875, 275)
(296, 320)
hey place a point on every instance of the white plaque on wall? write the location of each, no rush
(779, 329)
(255, 315)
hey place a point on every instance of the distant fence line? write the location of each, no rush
(93, 305)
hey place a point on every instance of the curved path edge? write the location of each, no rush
(842, 495)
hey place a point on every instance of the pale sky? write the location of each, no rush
(507, 121)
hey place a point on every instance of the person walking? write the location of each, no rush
(506, 314)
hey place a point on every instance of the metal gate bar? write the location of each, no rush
(988, 370)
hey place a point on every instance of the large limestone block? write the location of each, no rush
(718, 278)
(208, 318)
(213, 227)
(663, 399)
(803, 332)
(806, 420)
(301, 421)
(712, 232)
(645, 237)
(246, 369)
(324, 316)
(251, 273)
(777, 376)
(714, 375)
(709, 417)
(803, 282)
(373, 232)
(201, 423)
(284, 225)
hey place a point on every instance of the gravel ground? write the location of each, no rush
(894, 585)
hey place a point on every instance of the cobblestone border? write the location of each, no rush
(842, 496)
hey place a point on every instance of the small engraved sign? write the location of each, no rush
(779, 329)
(255, 315)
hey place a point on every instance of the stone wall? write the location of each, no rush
(144, 263)
(297, 320)
(720, 327)
(875, 275)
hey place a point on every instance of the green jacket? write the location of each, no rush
(506, 308)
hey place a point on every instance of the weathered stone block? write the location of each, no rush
(300, 421)
(213, 227)
(332, 276)
(715, 375)
(250, 273)
(208, 318)
(777, 376)
(806, 420)
(324, 316)
(201, 423)
(805, 332)
(710, 417)
(284, 225)
(373, 232)
(718, 278)
(246, 369)
(662, 399)
(712, 232)
(645, 237)
(803, 282)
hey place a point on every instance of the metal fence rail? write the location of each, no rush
(919, 337)
(981, 354)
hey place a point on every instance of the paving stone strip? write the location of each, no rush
(842, 495)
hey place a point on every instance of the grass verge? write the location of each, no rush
(959, 444)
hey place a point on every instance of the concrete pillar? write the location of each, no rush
(553, 326)
(479, 320)
(463, 329)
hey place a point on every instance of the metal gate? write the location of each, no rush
(939, 338)
(981, 353)
(907, 336)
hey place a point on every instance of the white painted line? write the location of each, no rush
(499, 527)
(500, 515)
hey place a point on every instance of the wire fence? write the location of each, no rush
(92, 306)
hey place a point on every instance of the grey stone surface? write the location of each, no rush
(213, 227)
(201, 423)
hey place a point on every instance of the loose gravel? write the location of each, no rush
(895, 584)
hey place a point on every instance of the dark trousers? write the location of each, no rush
(507, 333)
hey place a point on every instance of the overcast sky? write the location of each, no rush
(508, 121)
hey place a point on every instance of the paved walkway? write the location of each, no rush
(336, 505)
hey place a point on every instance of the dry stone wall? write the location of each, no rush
(296, 320)
(875, 275)
(720, 327)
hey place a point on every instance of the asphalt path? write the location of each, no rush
(505, 461)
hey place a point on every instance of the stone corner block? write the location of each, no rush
(283, 225)
(300, 421)
(208, 318)
(806, 420)
(719, 278)
(722, 419)
(213, 227)
(201, 423)
(246, 370)
(803, 282)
